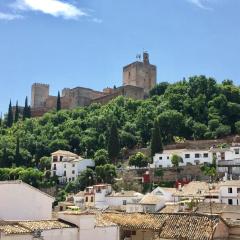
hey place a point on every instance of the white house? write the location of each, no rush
(152, 203)
(120, 200)
(95, 196)
(189, 156)
(44, 229)
(166, 193)
(20, 201)
(91, 225)
(67, 166)
(229, 192)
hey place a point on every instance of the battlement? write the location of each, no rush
(40, 85)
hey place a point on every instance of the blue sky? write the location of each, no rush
(87, 42)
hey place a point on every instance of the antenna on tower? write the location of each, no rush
(138, 57)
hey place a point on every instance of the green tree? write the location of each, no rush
(106, 173)
(237, 126)
(171, 123)
(10, 115)
(159, 89)
(4, 162)
(101, 157)
(176, 160)
(45, 163)
(16, 118)
(199, 130)
(156, 140)
(26, 110)
(113, 143)
(18, 157)
(58, 102)
(85, 179)
(138, 160)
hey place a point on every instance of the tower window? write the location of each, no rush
(129, 75)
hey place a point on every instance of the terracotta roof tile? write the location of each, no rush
(169, 226)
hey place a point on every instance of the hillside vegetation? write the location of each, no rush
(197, 108)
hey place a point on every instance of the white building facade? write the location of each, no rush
(193, 157)
(20, 201)
(90, 226)
(229, 192)
(67, 166)
(225, 157)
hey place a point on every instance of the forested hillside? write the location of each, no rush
(197, 108)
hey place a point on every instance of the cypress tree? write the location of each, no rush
(4, 160)
(26, 110)
(16, 118)
(58, 102)
(156, 140)
(10, 115)
(17, 157)
(113, 143)
(29, 114)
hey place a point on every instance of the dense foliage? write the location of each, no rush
(197, 108)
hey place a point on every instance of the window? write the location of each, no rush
(55, 158)
(238, 190)
(230, 201)
(86, 199)
(197, 155)
(124, 202)
(65, 165)
(64, 173)
(167, 157)
(73, 178)
(187, 155)
(73, 171)
(69, 179)
(160, 158)
(236, 151)
(205, 155)
(91, 199)
(54, 167)
(73, 165)
(230, 190)
(61, 158)
(61, 208)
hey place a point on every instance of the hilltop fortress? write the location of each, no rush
(138, 78)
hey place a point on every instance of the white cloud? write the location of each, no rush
(200, 3)
(9, 16)
(55, 8)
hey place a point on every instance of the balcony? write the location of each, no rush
(229, 163)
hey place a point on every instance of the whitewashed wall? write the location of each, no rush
(19, 201)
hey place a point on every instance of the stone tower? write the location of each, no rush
(40, 93)
(140, 74)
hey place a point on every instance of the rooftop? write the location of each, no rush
(22, 227)
(194, 188)
(169, 226)
(151, 199)
(64, 153)
(126, 194)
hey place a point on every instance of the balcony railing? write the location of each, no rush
(228, 163)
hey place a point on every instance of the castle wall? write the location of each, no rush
(138, 79)
(127, 91)
(40, 93)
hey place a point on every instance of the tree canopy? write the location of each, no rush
(194, 108)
